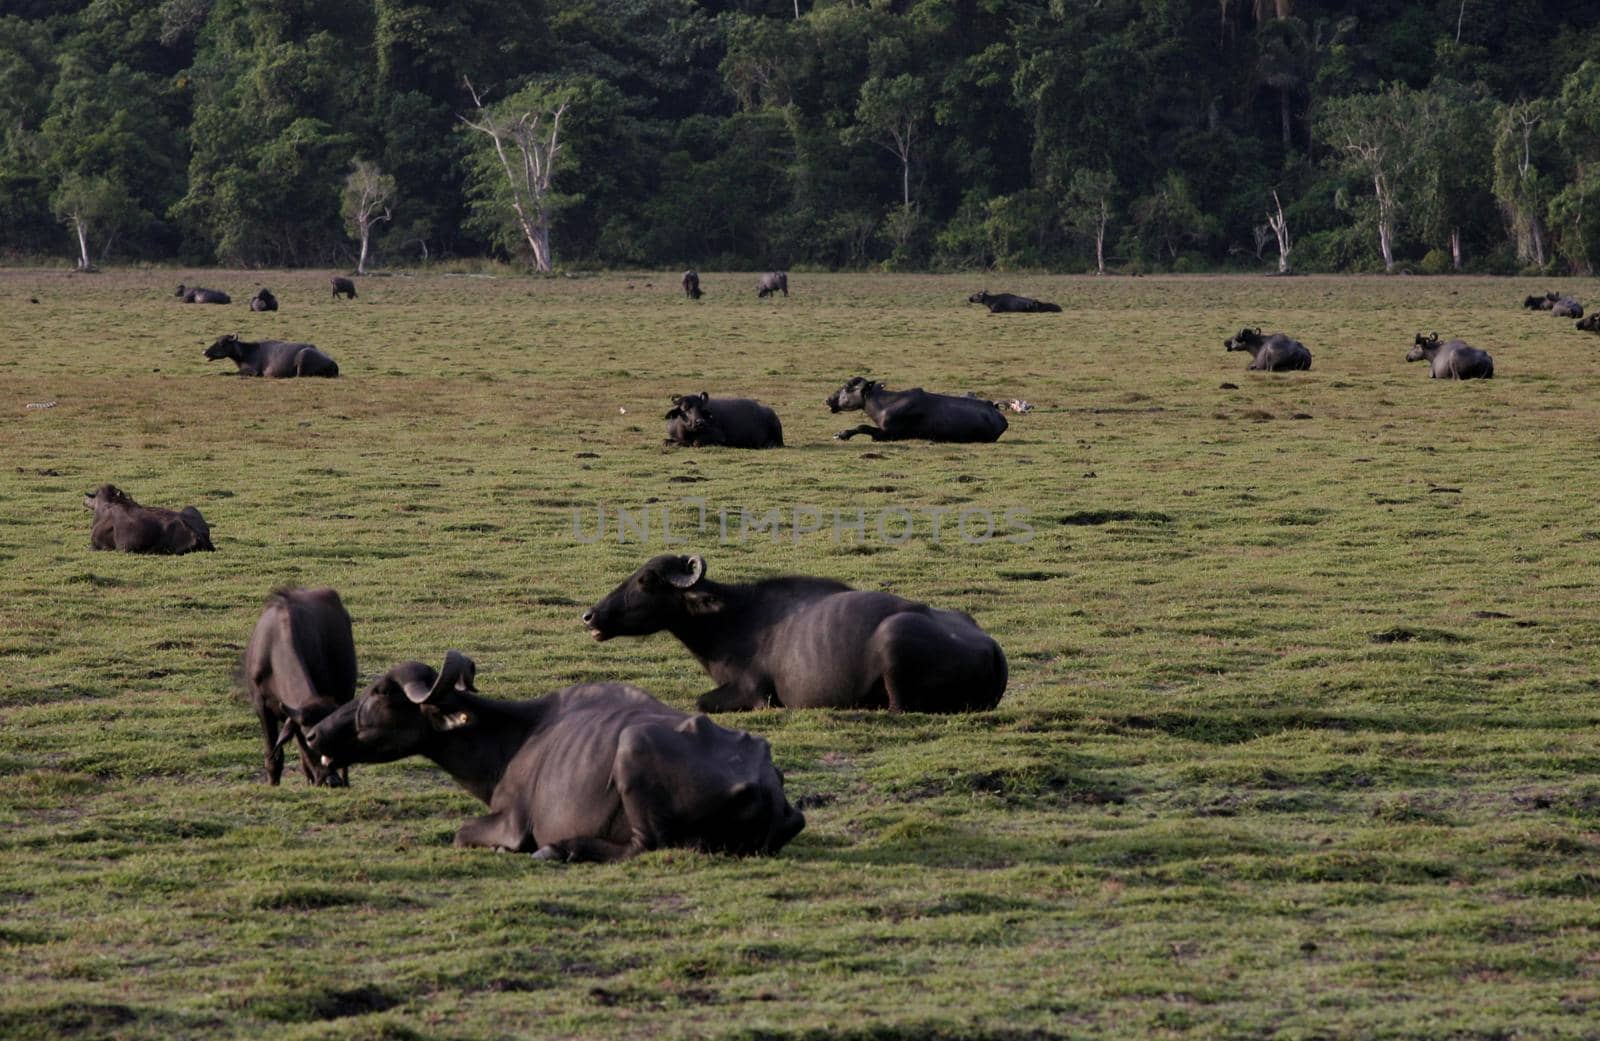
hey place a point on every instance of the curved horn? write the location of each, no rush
(696, 571)
(456, 674)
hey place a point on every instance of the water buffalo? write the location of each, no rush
(1274, 352)
(274, 358)
(1008, 303)
(808, 642)
(201, 296)
(263, 300)
(342, 285)
(1590, 324)
(696, 420)
(1539, 303)
(1566, 307)
(691, 285)
(599, 771)
(299, 666)
(772, 282)
(1453, 360)
(120, 523)
(900, 415)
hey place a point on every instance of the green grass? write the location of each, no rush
(1300, 741)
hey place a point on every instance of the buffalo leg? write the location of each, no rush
(871, 431)
(274, 756)
(731, 698)
(494, 831)
(597, 850)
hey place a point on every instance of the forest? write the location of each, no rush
(1426, 136)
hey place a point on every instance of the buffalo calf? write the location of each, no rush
(122, 524)
(299, 666)
(599, 771)
(696, 420)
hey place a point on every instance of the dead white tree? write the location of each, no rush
(535, 136)
(368, 195)
(1280, 227)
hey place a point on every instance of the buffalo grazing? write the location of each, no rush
(1273, 352)
(122, 524)
(1452, 360)
(598, 771)
(807, 642)
(697, 420)
(772, 282)
(691, 285)
(1009, 303)
(197, 295)
(299, 666)
(274, 358)
(342, 286)
(899, 415)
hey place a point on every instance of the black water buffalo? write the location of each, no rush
(263, 300)
(1452, 360)
(299, 666)
(599, 771)
(342, 285)
(901, 415)
(691, 285)
(120, 523)
(274, 358)
(1590, 324)
(1009, 303)
(201, 296)
(1539, 303)
(1273, 352)
(772, 282)
(808, 642)
(696, 420)
(1566, 307)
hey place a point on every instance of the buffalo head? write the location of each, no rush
(1246, 340)
(225, 347)
(979, 298)
(1423, 346)
(106, 495)
(666, 590)
(853, 395)
(182, 289)
(693, 409)
(397, 715)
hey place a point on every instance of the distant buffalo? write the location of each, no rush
(691, 285)
(697, 420)
(201, 296)
(803, 642)
(299, 666)
(1566, 307)
(1009, 303)
(597, 772)
(1452, 360)
(1539, 303)
(274, 358)
(901, 415)
(1274, 352)
(263, 300)
(772, 282)
(342, 285)
(122, 524)
(1590, 324)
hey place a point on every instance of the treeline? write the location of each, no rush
(1071, 134)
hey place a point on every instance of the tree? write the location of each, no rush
(525, 131)
(1168, 216)
(1280, 229)
(1455, 167)
(1380, 138)
(889, 113)
(88, 204)
(1575, 210)
(367, 191)
(1522, 143)
(1086, 209)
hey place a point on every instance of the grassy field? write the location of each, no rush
(1300, 740)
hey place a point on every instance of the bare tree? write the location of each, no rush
(367, 191)
(1280, 228)
(1086, 208)
(89, 203)
(534, 135)
(889, 112)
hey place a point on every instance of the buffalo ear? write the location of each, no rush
(445, 721)
(704, 397)
(674, 413)
(694, 571)
(416, 691)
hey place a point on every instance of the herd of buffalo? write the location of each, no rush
(604, 771)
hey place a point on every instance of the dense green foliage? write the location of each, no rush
(1436, 134)
(1301, 740)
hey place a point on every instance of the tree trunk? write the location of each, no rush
(82, 229)
(1100, 245)
(905, 181)
(1455, 248)
(1385, 225)
(366, 236)
(539, 239)
(1536, 231)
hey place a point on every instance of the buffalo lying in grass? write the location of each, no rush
(1452, 360)
(263, 300)
(342, 286)
(599, 771)
(1590, 324)
(696, 420)
(772, 282)
(1010, 303)
(1566, 307)
(899, 415)
(1273, 352)
(122, 524)
(299, 666)
(274, 358)
(201, 296)
(808, 642)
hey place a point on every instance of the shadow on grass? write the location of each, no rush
(81, 1019)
